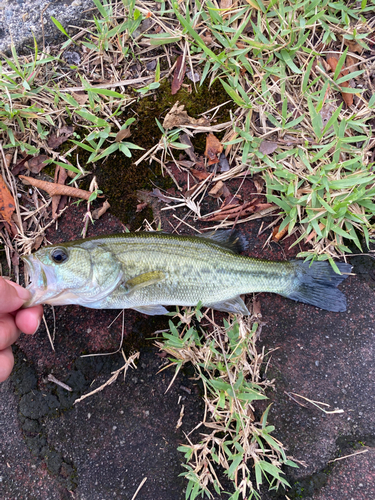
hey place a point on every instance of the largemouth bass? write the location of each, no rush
(147, 271)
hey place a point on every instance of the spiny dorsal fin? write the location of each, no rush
(231, 240)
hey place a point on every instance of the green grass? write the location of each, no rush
(234, 443)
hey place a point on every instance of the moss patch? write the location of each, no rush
(117, 175)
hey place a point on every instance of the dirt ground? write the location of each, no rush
(106, 445)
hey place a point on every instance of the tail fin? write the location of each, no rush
(317, 285)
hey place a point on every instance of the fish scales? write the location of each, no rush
(146, 271)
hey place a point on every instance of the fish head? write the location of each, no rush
(57, 274)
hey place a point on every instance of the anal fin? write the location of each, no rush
(235, 305)
(151, 310)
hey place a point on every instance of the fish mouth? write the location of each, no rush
(36, 279)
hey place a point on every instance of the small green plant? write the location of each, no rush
(227, 364)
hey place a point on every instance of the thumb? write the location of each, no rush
(12, 296)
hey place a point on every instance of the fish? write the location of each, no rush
(147, 271)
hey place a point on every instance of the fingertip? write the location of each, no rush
(28, 320)
(6, 363)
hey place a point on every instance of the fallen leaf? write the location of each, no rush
(60, 178)
(268, 147)
(213, 149)
(7, 204)
(80, 96)
(98, 212)
(256, 308)
(217, 190)
(347, 98)
(60, 137)
(199, 174)
(223, 163)
(72, 57)
(193, 76)
(231, 201)
(353, 46)
(20, 165)
(178, 75)
(141, 206)
(155, 193)
(326, 113)
(37, 163)
(332, 62)
(123, 134)
(185, 139)
(207, 39)
(228, 212)
(37, 242)
(258, 183)
(225, 4)
(278, 235)
(54, 189)
(178, 117)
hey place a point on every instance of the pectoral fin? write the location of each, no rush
(235, 305)
(151, 310)
(142, 280)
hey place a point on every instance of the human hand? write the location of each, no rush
(13, 320)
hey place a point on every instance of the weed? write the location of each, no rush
(228, 365)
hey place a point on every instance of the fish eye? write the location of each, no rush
(59, 255)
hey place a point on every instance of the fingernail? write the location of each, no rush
(23, 293)
(37, 328)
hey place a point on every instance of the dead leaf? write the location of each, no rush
(257, 311)
(326, 113)
(268, 147)
(351, 63)
(193, 76)
(347, 98)
(223, 163)
(225, 4)
(353, 46)
(332, 62)
(37, 163)
(278, 235)
(60, 137)
(217, 190)
(199, 174)
(60, 178)
(123, 134)
(213, 149)
(258, 183)
(185, 139)
(207, 39)
(155, 193)
(177, 117)
(7, 204)
(229, 213)
(80, 96)
(37, 242)
(98, 212)
(231, 201)
(178, 75)
(54, 189)
(20, 165)
(141, 206)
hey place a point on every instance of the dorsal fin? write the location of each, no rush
(231, 240)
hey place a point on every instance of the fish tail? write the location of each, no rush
(316, 284)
